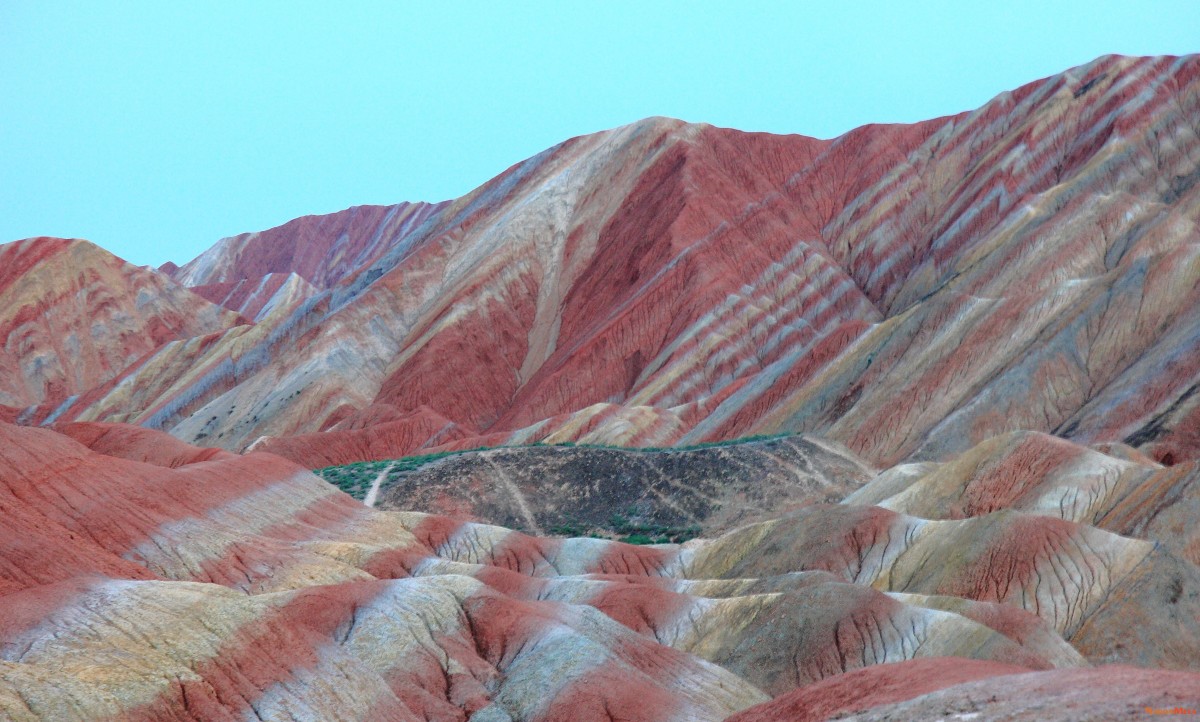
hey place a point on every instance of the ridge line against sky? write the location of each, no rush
(155, 129)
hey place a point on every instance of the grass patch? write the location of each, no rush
(356, 479)
(631, 530)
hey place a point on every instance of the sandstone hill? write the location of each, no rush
(219, 587)
(907, 291)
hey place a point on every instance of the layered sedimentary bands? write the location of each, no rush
(905, 290)
(968, 347)
(198, 584)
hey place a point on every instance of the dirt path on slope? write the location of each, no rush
(373, 492)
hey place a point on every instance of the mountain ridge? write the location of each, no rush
(712, 284)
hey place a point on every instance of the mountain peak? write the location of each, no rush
(74, 315)
(322, 249)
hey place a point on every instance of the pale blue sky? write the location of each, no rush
(156, 128)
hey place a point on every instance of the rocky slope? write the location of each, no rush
(319, 249)
(983, 691)
(74, 316)
(217, 587)
(668, 283)
(1121, 491)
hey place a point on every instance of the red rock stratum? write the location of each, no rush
(908, 291)
(217, 587)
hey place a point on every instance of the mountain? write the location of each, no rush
(903, 423)
(73, 316)
(666, 283)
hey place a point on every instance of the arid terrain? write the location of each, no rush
(668, 422)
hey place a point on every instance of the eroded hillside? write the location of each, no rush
(183, 585)
(907, 291)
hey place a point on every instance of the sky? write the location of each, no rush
(156, 128)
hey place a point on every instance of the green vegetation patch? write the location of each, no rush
(631, 530)
(356, 479)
